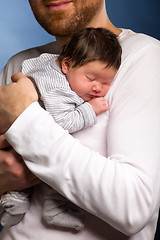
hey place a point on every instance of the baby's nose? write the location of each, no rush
(97, 88)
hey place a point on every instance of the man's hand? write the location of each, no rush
(14, 99)
(99, 105)
(14, 175)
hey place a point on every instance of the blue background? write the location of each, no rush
(19, 29)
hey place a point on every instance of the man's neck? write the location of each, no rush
(61, 41)
(101, 20)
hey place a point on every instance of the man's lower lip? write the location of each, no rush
(58, 6)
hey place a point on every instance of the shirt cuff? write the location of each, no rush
(22, 122)
(88, 113)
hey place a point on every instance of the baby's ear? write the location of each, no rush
(66, 64)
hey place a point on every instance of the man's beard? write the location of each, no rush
(60, 25)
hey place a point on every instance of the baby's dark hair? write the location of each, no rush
(92, 44)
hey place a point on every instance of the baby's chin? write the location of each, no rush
(87, 98)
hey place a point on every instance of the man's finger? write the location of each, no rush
(3, 142)
(17, 76)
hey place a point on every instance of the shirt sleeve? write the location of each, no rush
(69, 110)
(123, 188)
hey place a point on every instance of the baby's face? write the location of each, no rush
(91, 80)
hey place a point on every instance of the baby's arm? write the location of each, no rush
(69, 110)
(99, 105)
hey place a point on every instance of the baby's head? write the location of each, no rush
(92, 44)
(91, 58)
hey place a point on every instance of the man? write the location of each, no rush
(119, 186)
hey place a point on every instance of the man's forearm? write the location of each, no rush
(83, 175)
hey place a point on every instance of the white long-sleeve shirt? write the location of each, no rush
(111, 169)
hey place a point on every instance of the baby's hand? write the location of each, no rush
(99, 105)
